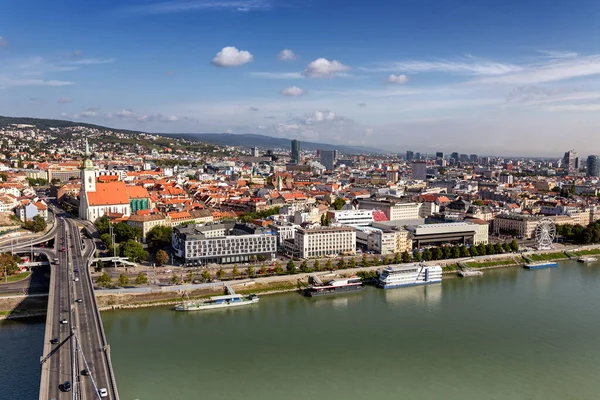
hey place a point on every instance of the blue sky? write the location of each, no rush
(510, 77)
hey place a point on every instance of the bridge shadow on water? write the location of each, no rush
(35, 289)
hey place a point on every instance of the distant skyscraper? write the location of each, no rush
(328, 158)
(295, 152)
(464, 158)
(417, 156)
(439, 154)
(571, 162)
(419, 170)
(474, 158)
(410, 156)
(454, 156)
(593, 166)
(255, 152)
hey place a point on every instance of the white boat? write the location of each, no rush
(465, 273)
(229, 300)
(587, 259)
(411, 275)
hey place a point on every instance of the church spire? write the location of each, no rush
(87, 160)
(87, 149)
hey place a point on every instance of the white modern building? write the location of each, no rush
(352, 217)
(319, 242)
(394, 211)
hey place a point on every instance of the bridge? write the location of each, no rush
(76, 357)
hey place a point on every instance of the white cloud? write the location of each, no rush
(64, 100)
(232, 57)
(558, 54)
(293, 91)
(89, 113)
(6, 82)
(574, 107)
(125, 114)
(323, 68)
(469, 66)
(397, 79)
(287, 55)
(277, 75)
(178, 6)
(3, 42)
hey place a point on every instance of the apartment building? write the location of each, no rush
(223, 243)
(352, 217)
(394, 211)
(391, 241)
(146, 222)
(319, 242)
(519, 225)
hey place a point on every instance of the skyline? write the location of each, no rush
(416, 75)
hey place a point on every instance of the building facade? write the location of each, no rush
(319, 242)
(352, 217)
(295, 152)
(515, 224)
(593, 166)
(419, 170)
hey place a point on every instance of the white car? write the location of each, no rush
(103, 392)
(76, 279)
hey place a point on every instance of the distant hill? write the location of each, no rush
(269, 142)
(43, 123)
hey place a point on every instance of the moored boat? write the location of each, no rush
(229, 300)
(334, 286)
(541, 265)
(411, 275)
(587, 259)
(465, 273)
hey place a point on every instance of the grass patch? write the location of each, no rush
(5, 313)
(270, 288)
(495, 263)
(15, 278)
(586, 252)
(546, 256)
(451, 267)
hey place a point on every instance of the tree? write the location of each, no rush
(161, 257)
(338, 203)
(39, 224)
(175, 279)
(437, 253)
(3, 176)
(478, 202)
(159, 237)
(250, 271)
(427, 255)
(123, 280)
(278, 268)
(235, 272)
(386, 261)
(365, 261)
(124, 232)
(325, 220)
(481, 249)
(133, 250)
(141, 279)
(506, 247)
(205, 276)
(220, 274)
(446, 252)
(498, 248)
(317, 265)
(329, 265)
(263, 269)
(405, 257)
(489, 249)
(417, 255)
(106, 240)
(474, 252)
(352, 262)
(99, 266)
(341, 263)
(304, 266)
(455, 252)
(290, 267)
(8, 264)
(464, 252)
(190, 276)
(102, 224)
(514, 246)
(103, 280)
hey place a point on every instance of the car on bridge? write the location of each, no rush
(79, 301)
(54, 340)
(103, 392)
(64, 321)
(65, 387)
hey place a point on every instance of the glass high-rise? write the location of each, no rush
(593, 166)
(295, 151)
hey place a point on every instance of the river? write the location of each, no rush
(511, 334)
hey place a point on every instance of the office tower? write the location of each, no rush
(295, 152)
(439, 154)
(454, 156)
(328, 158)
(417, 156)
(571, 162)
(419, 170)
(255, 152)
(474, 158)
(593, 166)
(464, 158)
(410, 156)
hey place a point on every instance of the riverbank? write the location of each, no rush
(23, 306)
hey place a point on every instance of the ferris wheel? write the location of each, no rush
(545, 232)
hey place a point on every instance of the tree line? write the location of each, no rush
(579, 234)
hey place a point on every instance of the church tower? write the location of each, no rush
(88, 182)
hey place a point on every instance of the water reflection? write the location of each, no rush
(430, 294)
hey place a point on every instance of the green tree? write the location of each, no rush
(352, 262)
(514, 246)
(123, 280)
(235, 272)
(205, 276)
(190, 276)
(329, 265)
(278, 268)
(304, 266)
(489, 249)
(427, 255)
(175, 279)
(290, 267)
(106, 240)
(103, 280)
(498, 248)
(133, 250)
(338, 203)
(478, 202)
(417, 255)
(3, 176)
(341, 263)
(405, 257)
(455, 252)
(161, 257)
(124, 232)
(102, 224)
(250, 271)
(397, 258)
(141, 279)
(99, 266)
(386, 261)
(8, 264)
(482, 249)
(464, 252)
(365, 261)
(39, 224)
(506, 247)
(317, 265)
(474, 252)
(220, 274)
(446, 252)
(159, 237)
(437, 253)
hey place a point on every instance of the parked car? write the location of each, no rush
(85, 372)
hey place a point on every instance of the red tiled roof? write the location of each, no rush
(111, 193)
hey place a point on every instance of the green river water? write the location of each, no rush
(511, 334)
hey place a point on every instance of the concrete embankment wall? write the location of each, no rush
(23, 306)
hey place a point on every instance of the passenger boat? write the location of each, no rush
(318, 288)
(541, 265)
(230, 300)
(411, 275)
(587, 259)
(465, 273)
